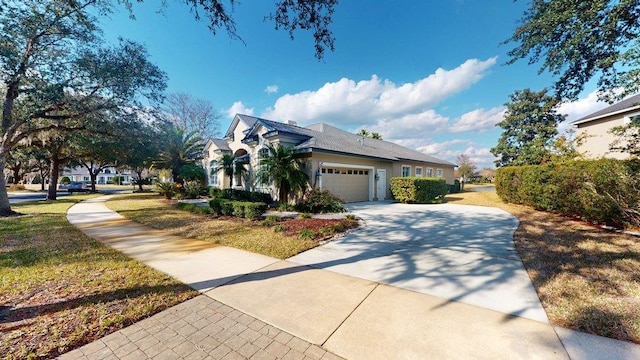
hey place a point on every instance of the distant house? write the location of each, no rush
(105, 176)
(596, 127)
(353, 167)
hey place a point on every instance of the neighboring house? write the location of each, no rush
(105, 176)
(353, 167)
(596, 128)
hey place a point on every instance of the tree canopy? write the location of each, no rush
(289, 15)
(529, 129)
(57, 75)
(580, 40)
(466, 166)
(285, 168)
(193, 114)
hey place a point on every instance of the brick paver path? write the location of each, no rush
(200, 328)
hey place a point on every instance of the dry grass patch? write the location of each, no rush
(60, 289)
(588, 279)
(154, 211)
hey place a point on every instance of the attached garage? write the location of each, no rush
(351, 184)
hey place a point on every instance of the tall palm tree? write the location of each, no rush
(180, 149)
(284, 168)
(230, 167)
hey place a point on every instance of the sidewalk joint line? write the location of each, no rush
(350, 313)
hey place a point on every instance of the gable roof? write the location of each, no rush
(324, 137)
(629, 104)
(247, 119)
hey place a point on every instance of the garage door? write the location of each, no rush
(351, 185)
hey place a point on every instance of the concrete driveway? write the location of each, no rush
(457, 252)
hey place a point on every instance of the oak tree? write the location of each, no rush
(529, 129)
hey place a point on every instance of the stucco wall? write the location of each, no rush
(598, 139)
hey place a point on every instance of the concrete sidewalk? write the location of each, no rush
(316, 313)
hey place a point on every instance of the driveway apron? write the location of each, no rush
(458, 252)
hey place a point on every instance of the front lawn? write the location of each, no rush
(588, 279)
(280, 240)
(60, 289)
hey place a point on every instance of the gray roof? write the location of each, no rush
(615, 108)
(221, 144)
(249, 120)
(325, 137)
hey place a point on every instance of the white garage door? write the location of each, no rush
(351, 185)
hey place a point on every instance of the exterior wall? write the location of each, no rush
(598, 139)
(447, 170)
(350, 160)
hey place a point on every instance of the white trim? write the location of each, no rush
(441, 173)
(427, 171)
(372, 179)
(578, 122)
(416, 171)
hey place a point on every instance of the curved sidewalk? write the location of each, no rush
(319, 310)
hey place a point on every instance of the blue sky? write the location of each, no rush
(429, 75)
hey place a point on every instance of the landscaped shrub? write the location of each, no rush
(306, 234)
(604, 190)
(317, 201)
(227, 208)
(216, 206)
(215, 192)
(245, 209)
(192, 189)
(168, 189)
(65, 180)
(418, 190)
(254, 210)
(238, 208)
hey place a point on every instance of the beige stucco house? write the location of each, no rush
(351, 166)
(596, 128)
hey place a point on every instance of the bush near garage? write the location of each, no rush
(605, 191)
(418, 190)
(316, 201)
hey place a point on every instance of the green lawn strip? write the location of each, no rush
(60, 289)
(152, 210)
(587, 279)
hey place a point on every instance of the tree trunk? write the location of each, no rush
(93, 175)
(16, 172)
(53, 178)
(42, 179)
(5, 208)
(140, 181)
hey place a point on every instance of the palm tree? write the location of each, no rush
(230, 167)
(180, 149)
(284, 168)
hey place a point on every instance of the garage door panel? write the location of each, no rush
(351, 185)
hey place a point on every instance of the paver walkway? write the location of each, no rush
(324, 312)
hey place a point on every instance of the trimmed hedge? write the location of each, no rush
(243, 209)
(240, 195)
(603, 190)
(419, 190)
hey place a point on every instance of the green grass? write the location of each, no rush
(152, 210)
(62, 289)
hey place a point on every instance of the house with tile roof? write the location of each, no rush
(596, 128)
(353, 167)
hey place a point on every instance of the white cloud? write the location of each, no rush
(582, 107)
(450, 149)
(238, 108)
(478, 120)
(271, 89)
(412, 125)
(352, 103)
